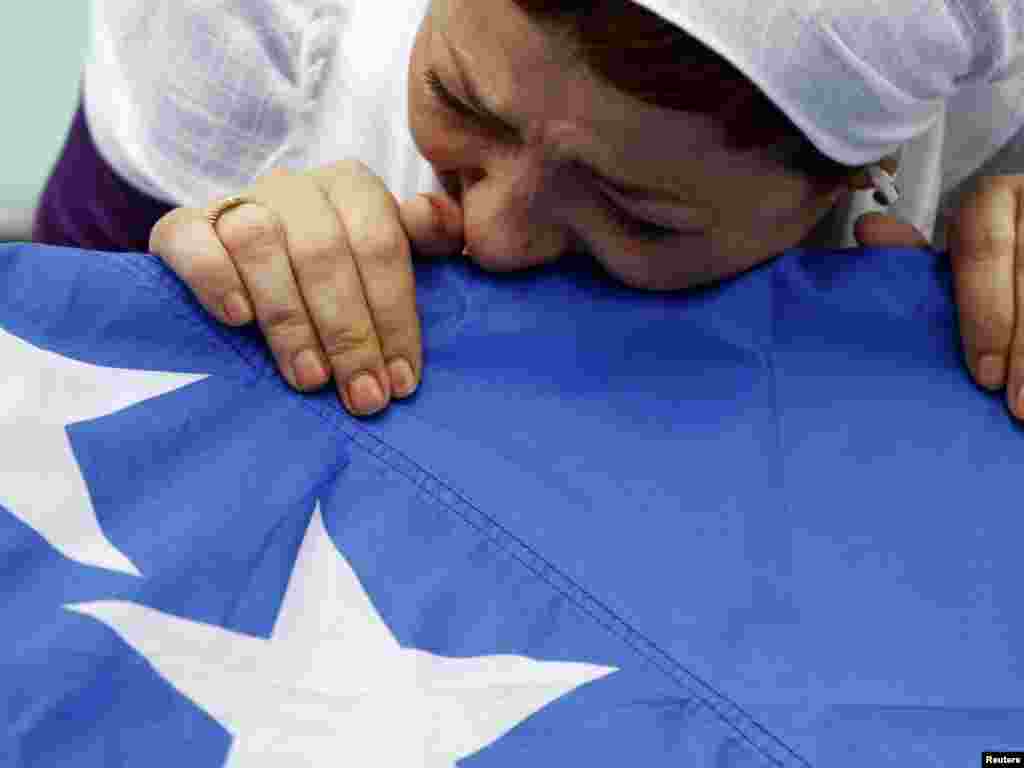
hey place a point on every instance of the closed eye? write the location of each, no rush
(441, 93)
(636, 228)
(445, 97)
(630, 225)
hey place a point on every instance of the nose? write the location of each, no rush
(457, 184)
(452, 185)
(467, 179)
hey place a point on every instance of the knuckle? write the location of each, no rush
(395, 315)
(285, 320)
(402, 343)
(165, 230)
(250, 226)
(201, 271)
(342, 342)
(317, 254)
(984, 246)
(201, 268)
(385, 246)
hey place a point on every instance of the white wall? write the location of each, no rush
(42, 47)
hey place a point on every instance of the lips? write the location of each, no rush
(452, 185)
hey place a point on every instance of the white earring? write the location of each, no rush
(886, 191)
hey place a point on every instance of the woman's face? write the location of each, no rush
(532, 190)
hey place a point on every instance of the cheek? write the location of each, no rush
(435, 134)
(670, 269)
(435, 139)
(428, 133)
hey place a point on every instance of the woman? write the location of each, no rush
(522, 116)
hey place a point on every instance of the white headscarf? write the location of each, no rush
(859, 77)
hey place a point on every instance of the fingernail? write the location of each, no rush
(402, 378)
(309, 371)
(237, 308)
(991, 370)
(365, 394)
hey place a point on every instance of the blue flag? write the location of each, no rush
(770, 523)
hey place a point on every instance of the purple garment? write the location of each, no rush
(87, 205)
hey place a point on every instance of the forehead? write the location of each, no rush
(525, 72)
(529, 72)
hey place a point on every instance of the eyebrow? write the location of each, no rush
(502, 126)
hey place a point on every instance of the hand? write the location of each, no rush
(985, 240)
(323, 259)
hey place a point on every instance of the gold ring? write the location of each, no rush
(223, 206)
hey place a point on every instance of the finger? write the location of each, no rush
(186, 241)
(307, 286)
(254, 237)
(433, 222)
(880, 230)
(1015, 387)
(381, 254)
(982, 252)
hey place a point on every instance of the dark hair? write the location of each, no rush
(641, 54)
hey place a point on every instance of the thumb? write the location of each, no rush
(880, 230)
(433, 223)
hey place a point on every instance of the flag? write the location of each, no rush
(770, 523)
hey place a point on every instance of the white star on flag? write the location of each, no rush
(332, 686)
(40, 481)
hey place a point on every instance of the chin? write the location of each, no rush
(660, 284)
(650, 280)
(503, 263)
(495, 265)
